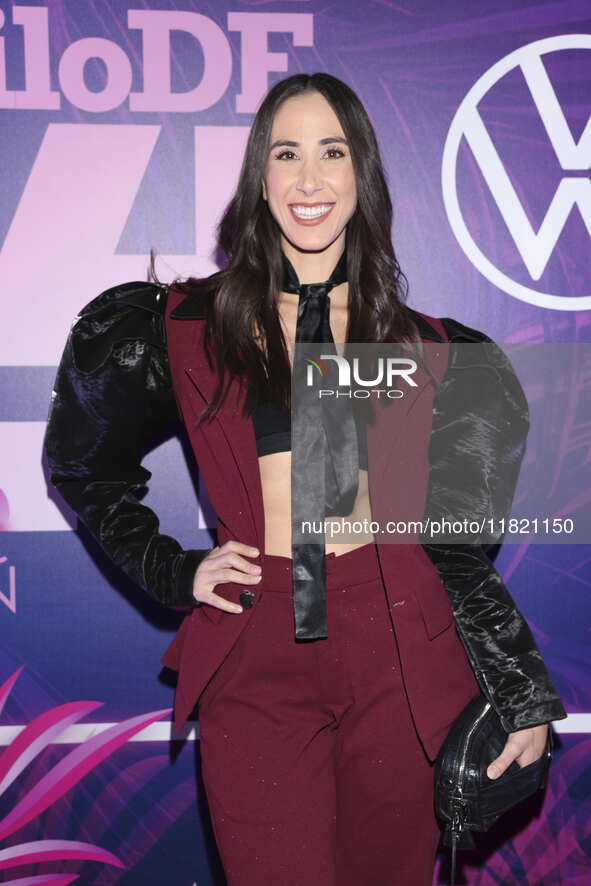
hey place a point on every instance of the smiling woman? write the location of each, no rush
(309, 184)
(327, 678)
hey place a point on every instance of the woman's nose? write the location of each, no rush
(309, 179)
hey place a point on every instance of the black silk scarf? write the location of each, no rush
(324, 449)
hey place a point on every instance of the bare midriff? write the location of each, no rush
(275, 471)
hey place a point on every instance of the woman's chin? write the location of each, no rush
(309, 240)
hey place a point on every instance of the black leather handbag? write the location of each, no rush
(466, 799)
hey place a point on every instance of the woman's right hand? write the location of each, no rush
(222, 565)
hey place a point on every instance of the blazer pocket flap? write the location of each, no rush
(432, 599)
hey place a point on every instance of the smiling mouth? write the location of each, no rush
(302, 211)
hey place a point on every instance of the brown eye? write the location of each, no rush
(336, 151)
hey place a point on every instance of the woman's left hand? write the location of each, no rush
(525, 746)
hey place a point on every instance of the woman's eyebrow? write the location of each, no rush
(283, 142)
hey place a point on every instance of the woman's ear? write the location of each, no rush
(264, 190)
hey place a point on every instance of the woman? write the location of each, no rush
(325, 685)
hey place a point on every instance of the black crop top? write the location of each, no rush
(272, 430)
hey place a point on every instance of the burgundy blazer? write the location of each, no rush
(437, 675)
(134, 360)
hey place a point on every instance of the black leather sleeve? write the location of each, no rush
(480, 425)
(112, 392)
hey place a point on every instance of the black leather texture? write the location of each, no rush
(466, 799)
(113, 390)
(478, 433)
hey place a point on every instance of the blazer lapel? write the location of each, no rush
(235, 430)
(405, 415)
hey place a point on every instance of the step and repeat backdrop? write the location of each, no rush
(123, 128)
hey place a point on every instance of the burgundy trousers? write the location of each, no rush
(313, 771)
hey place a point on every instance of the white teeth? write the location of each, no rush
(311, 212)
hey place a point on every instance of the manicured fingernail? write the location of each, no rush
(492, 771)
(238, 609)
(255, 551)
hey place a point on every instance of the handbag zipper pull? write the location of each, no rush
(458, 817)
(458, 811)
(454, 838)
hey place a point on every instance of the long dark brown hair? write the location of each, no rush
(244, 294)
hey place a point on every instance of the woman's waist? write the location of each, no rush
(351, 567)
(277, 500)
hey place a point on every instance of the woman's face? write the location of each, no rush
(309, 182)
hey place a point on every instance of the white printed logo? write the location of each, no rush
(388, 369)
(534, 247)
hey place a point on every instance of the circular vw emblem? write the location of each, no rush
(573, 194)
